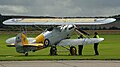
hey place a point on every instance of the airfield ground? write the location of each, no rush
(109, 50)
(61, 63)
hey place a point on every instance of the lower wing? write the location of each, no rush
(84, 41)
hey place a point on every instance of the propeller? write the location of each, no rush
(81, 32)
(78, 30)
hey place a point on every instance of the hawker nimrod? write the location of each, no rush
(57, 36)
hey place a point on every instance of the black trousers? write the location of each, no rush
(80, 47)
(96, 48)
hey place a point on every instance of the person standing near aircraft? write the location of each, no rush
(80, 47)
(96, 44)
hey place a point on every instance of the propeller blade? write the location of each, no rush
(79, 32)
(82, 31)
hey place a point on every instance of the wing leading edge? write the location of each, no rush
(58, 21)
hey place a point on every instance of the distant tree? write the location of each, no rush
(104, 28)
(99, 28)
(116, 16)
(113, 28)
(86, 28)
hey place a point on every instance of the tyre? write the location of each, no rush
(26, 53)
(53, 50)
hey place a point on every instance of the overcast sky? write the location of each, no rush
(60, 7)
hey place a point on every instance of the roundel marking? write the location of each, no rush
(46, 43)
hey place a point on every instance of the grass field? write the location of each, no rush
(109, 50)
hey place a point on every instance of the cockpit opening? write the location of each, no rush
(50, 29)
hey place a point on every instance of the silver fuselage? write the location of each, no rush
(59, 33)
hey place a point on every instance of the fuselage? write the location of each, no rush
(47, 38)
(56, 35)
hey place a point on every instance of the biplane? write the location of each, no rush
(53, 37)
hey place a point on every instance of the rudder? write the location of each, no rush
(21, 39)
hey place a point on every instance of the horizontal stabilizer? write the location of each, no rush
(11, 41)
(58, 21)
(11, 45)
(33, 45)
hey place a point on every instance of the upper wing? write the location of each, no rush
(73, 42)
(58, 21)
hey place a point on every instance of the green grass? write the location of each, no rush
(109, 50)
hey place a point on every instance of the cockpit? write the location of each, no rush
(61, 28)
(70, 27)
(50, 29)
(67, 27)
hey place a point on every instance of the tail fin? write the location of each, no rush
(21, 39)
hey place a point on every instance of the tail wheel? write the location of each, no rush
(46, 43)
(73, 50)
(26, 53)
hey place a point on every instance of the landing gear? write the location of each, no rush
(53, 50)
(73, 50)
(26, 53)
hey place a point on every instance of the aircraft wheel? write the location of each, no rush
(26, 53)
(46, 43)
(73, 50)
(53, 50)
